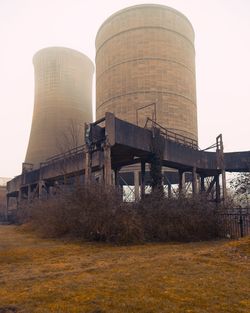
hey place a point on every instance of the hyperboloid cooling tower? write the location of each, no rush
(145, 54)
(63, 101)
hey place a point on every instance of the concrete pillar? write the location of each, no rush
(169, 189)
(143, 170)
(118, 187)
(29, 193)
(181, 182)
(137, 185)
(107, 165)
(203, 189)
(116, 177)
(218, 188)
(40, 189)
(221, 165)
(194, 182)
(19, 197)
(88, 165)
(224, 184)
(16, 202)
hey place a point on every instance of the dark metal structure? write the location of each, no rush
(110, 144)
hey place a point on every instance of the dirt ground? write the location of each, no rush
(40, 275)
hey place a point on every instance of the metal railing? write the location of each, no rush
(64, 155)
(236, 222)
(170, 135)
(74, 151)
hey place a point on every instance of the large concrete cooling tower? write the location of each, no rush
(63, 100)
(145, 54)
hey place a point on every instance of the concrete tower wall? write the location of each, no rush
(145, 54)
(63, 101)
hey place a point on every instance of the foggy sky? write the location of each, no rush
(222, 42)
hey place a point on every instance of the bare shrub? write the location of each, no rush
(183, 219)
(48, 217)
(91, 212)
(96, 213)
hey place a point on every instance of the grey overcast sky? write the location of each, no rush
(222, 41)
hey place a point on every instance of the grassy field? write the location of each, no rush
(40, 275)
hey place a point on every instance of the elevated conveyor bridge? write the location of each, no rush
(111, 144)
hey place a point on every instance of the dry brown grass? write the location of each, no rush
(38, 275)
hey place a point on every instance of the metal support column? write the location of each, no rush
(181, 182)
(224, 184)
(203, 189)
(19, 197)
(137, 185)
(221, 164)
(16, 202)
(29, 193)
(217, 178)
(40, 189)
(169, 189)
(194, 182)
(116, 177)
(143, 170)
(88, 166)
(88, 153)
(107, 165)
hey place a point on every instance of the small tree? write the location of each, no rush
(67, 146)
(71, 137)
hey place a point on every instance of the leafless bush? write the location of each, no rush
(47, 217)
(91, 212)
(96, 213)
(183, 219)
